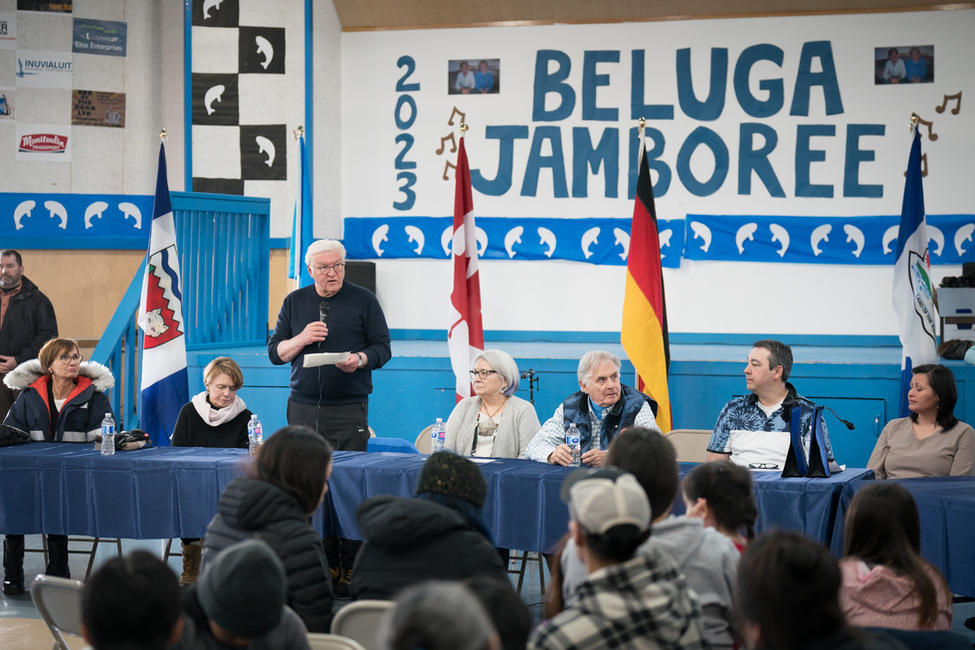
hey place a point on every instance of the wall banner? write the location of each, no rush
(51, 6)
(8, 30)
(737, 238)
(8, 102)
(105, 37)
(96, 108)
(76, 217)
(822, 240)
(37, 69)
(596, 241)
(43, 142)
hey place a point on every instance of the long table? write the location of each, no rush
(173, 492)
(947, 511)
(154, 493)
(523, 506)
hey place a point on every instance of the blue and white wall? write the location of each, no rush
(766, 132)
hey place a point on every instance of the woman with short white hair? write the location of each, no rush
(495, 422)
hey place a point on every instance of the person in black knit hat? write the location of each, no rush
(240, 602)
(438, 534)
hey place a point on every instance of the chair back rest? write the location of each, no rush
(423, 440)
(359, 620)
(59, 602)
(691, 445)
(320, 641)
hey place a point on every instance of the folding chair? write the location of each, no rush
(319, 641)
(359, 620)
(59, 602)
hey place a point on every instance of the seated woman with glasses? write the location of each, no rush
(495, 423)
(217, 417)
(62, 400)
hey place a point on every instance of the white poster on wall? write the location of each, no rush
(8, 30)
(43, 142)
(38, 69)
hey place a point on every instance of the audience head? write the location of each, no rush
(882, 527)
(11, 269)
(726, 490)
(779, 354)
(649, 456)
(243, 592)
(451, 475)
(131, 602)
(788, 592)
(504, 607)
(437, 615)
(297, 461)
(609, 512)
(52, 351)
(502, 363)
(9, 252)
(933, 390)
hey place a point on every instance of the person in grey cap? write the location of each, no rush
(628, 600)
(239, 602)
(439, 534)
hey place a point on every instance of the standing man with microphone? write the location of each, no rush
(331, 316)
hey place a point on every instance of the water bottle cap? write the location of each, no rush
(253, 416)
(439, 420)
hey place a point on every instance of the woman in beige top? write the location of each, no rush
(931, 441)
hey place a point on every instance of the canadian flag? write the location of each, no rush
(465, 338)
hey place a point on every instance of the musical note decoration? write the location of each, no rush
(443, 141)
(932, 136)
(446, 168)
(956, 97)
(462, 115)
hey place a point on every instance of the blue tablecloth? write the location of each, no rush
(523, 506)
(947, 509)
(153, 493)
(173, 492)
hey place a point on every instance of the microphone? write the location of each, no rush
(323, 311)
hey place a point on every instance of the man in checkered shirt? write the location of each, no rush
(629, 599)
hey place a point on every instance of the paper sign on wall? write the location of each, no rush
(96, 108)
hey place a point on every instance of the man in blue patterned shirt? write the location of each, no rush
(753, 430)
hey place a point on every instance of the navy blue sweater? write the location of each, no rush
(355, 324)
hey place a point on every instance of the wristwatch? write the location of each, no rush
(362, 359)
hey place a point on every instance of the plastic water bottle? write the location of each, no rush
(108, 435)
(255, 434)
(437, 436)
(572, 440)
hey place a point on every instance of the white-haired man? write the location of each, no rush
(331, 315)
(602, 407)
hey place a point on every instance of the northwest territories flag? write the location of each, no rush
(644, 332)
(301, 228)
(465, 338)
(164, 385)
(913, 293)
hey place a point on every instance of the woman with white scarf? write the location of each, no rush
(216, 417)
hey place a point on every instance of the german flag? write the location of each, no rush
(644, 333)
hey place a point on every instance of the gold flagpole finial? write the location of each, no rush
(643, 123)
(300, 131)
(463, 127)
(914, 119)
(162, 135)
